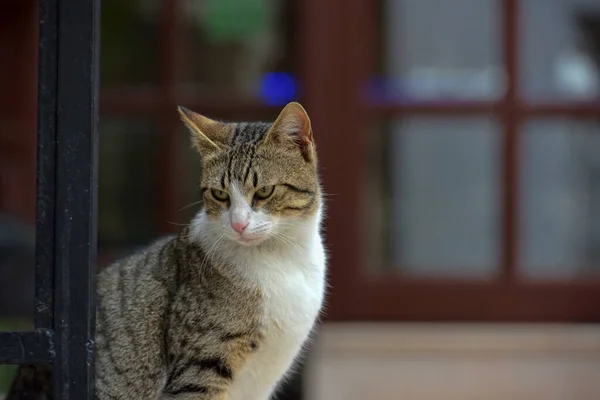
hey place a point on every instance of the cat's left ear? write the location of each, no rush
(207, 135)
(292, 127)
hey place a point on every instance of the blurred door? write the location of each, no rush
(463, 174)
(474, 127)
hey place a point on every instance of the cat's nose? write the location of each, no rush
(239, 226)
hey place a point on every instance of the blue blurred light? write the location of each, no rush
(278, 88)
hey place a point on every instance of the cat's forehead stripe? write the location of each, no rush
(258, 136)
(245, 138)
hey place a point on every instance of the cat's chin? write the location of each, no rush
(250, 241)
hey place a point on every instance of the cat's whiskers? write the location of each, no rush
(300, 226)
(211, 251)
(193, 235)
(190, 205)
(287, 239)
(176, 223)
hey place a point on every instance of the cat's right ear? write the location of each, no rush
(207, 135)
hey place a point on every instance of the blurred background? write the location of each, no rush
(459, 142)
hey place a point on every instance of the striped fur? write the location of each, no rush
(204, 314)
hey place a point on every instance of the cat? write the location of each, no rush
(222, 310)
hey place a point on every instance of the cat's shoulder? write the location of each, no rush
(148, 252)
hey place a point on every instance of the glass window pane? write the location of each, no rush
(238, 48)
(440, 49)
(128, 183)
(560, 49)
(129, 42)
(560, 203)
(433, 197)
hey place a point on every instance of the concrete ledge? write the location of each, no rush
(463, 362)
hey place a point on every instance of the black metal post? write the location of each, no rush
(76, 208)
(66, 200)
(38, 346)
(46, 163)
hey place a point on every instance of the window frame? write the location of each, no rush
(508, 297)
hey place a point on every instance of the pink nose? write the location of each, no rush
(239, 226)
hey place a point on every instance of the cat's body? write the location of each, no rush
(263, 314)
(222, 310)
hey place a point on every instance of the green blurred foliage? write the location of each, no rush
(236, 20)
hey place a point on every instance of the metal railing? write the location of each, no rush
(67, 145)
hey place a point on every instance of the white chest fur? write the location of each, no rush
(293, 289)
(291, 277)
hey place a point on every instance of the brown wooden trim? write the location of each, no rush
(342, 66)
(130, 102)
(232, 108)
(149, 102)
(170, 49)
(572, 110)
(510, 152)
(171, 174)
(392, 299)
(391, 110)
(523, 110)
(326, 86)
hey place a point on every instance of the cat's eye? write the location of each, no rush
(220, 195)
(265, 192)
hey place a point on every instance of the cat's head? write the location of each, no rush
(259, 180)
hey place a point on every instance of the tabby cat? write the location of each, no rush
(222, 310)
